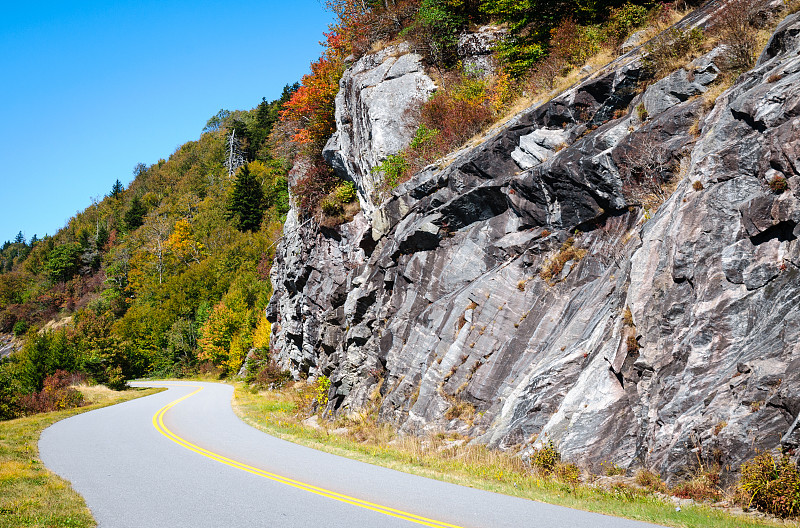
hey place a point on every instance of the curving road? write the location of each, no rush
(182, 458)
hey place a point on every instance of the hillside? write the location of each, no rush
(532, 224)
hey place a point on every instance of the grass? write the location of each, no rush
(452, 459)
(30, 495)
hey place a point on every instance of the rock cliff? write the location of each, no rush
(543, 283)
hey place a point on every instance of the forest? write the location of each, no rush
(169, 276)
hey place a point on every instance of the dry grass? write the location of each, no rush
(30, 495)
(453, 458)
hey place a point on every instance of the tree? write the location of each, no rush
(20, 238)
(134, 215)
(217, 121)
(246, 204)
(116, 190)
(235, 157)
(139, 169)
(62, 263)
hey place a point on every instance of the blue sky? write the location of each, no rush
(92, 88)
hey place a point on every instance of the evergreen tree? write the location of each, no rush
(116, 190)
(20, 238)
(134, 216)
(246, 205)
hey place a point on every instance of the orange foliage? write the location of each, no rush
(312, 105)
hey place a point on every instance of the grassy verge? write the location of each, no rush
(452, 459)
(30, 495)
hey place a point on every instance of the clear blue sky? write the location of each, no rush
(91, 88)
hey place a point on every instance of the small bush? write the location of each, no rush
(778, 184)
(20, 327)
(611, 469)
(394, 168)
(546, 458)
(772, 485)
(553, 267)
(703, 487)
(698, 185)
(331, 206)
(56, 395)
(346, 192)
(115, 379)
(461, 410)
(317, 182)
(671, 50)
(270, 376)
(623, 20)
(736, 27)
(321, 388)
(650, 480)
(567, 473)
(641, 112)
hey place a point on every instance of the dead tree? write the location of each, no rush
(235, 157)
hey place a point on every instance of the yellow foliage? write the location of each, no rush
(238, 351)
(182, 244)
(262, 333)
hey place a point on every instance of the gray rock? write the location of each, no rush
(475, 49)
(377, 96)
(635, 40)
(451, 291)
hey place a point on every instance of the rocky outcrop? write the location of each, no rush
(527, 288)
(476, 49)
(374, 116)
(8, 345)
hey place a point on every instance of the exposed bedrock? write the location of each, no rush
(649, 337)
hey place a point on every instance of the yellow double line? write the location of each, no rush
(158, 423)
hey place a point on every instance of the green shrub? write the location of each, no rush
(546, 458)
(423, 137)
(772, 485)
(568, 473)
(331, 206)
(115, 380)
(623, 20)
(641, 112)
(20, 327)
(346, 192)
(394, 167)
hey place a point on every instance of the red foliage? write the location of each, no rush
(318, 180)
(312, 105)
(360, 24)
(56, 395)
(457, 120)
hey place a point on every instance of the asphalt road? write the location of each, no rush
(146, 464)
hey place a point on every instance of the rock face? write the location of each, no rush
(375, 98)
(525, 289)
(475, 49)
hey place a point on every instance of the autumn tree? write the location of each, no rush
(312, 107)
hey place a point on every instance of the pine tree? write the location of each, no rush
(116, 190)
(246, 205)
(135, 214)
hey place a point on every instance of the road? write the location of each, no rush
(182, 458)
